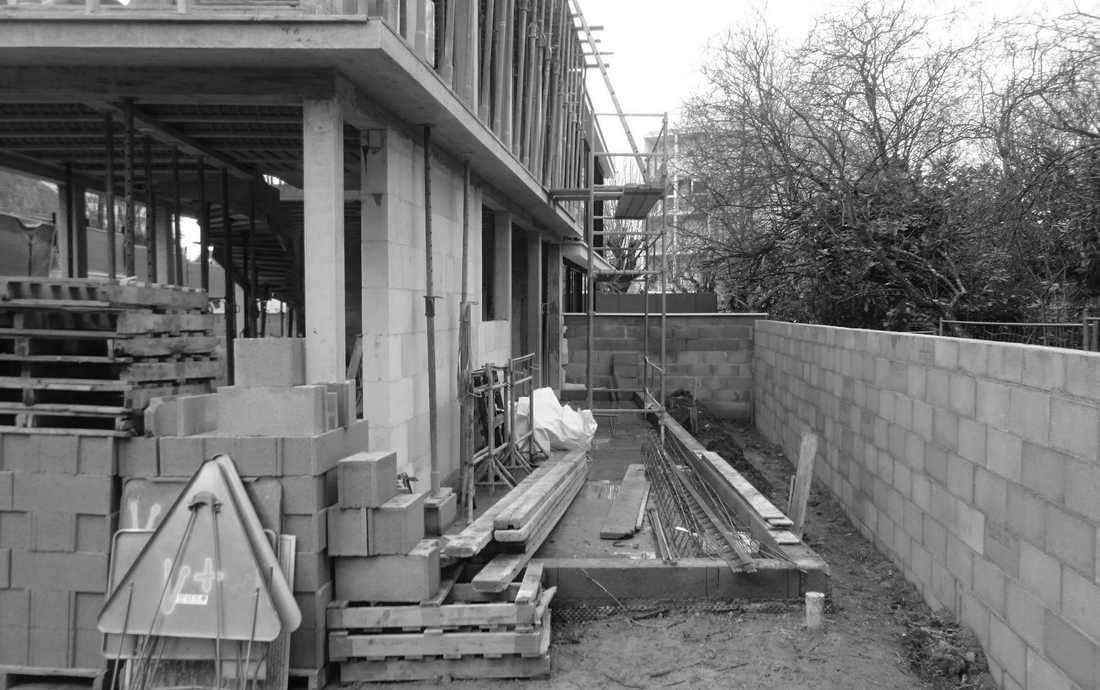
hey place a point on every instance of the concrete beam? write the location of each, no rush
(323, 172)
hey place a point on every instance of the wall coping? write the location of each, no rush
(657, 314)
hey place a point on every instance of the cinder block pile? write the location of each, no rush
(376, 536)
(399, 614)
(58, 503)
(285, 439)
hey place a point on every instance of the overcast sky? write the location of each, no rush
(660, 45)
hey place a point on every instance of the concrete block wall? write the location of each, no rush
(707, 354)
(395, 361)
(58, 511)
(974, 465)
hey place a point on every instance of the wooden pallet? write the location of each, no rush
(464, 668)
(15, 289)
(311, 678)
(14, 676)
(67, 416)
(460, 633)
(111, 321)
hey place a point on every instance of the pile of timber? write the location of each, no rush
(458, 633)
(517, 525)
(86, 356)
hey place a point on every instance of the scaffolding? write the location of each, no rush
(632, 203)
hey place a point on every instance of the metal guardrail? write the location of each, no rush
(1075, 335)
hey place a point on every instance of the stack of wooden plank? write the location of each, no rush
(519, 523)
(459, 633)
(87, 355)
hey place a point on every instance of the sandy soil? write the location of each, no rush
(879, 633)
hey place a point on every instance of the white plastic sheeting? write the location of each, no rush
(557, 426)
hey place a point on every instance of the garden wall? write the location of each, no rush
(972, 464)
(709, 355)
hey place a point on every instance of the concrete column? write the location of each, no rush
(323, 168)
(534, 302)
(553, 375)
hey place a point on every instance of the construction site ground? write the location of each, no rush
(878, 634)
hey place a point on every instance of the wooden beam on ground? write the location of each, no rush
(499, 572)
(622, 518)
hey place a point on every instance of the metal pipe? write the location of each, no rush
(248, 264)
(204, 230)
(429, 313)
(150, 214)
(109, 193)
(128, 188)
(230, 283)
(664, 289)
(177, 249)
(589, 228)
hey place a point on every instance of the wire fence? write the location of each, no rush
(1075, 335)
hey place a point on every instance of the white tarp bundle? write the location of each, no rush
(557, 426)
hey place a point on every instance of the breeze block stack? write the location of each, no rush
(285, 439)
(401, 613)
(79, 362)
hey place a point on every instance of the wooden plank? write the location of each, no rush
(800, 491)
(553, 473)
(343, 645)
(458, 615)
(167, 346)
(477, 535)
(466, 668)
(172, 371)
(532, 584)
(140, 322)
(50, 431)
(465, 592)
(500, 571)
(63, 409)
(562, 491)
(622, 517)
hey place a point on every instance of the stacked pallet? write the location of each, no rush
(285, 439)
(89, 355)
(458, 633)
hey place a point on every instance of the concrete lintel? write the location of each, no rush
(684, 580)
(160, 84)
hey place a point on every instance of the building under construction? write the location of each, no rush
(186, 500)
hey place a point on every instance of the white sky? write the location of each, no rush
(659, 45)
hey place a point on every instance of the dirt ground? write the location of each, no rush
(878, 633)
